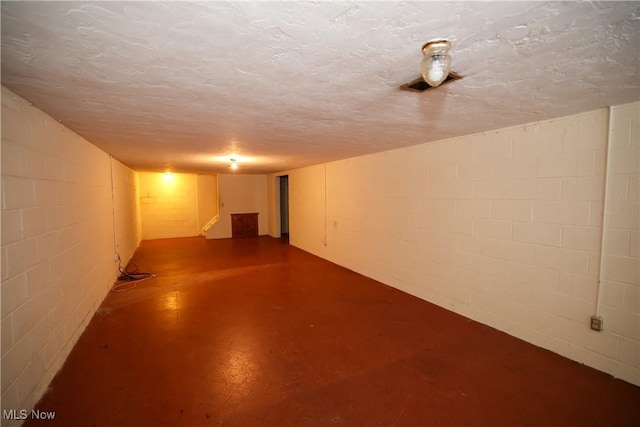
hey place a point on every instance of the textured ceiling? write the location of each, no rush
(287, 84)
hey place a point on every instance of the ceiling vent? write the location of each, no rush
(419, 85)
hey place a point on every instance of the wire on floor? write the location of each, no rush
(129, 276)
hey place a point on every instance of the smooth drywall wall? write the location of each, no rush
(57, 245)
(308, 214)
(503, 227)
(240, 194)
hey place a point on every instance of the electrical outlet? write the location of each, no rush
(597, 323)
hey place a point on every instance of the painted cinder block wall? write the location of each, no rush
(620, 300)
(57, 245)
(176, 204)
(168, 205)
(503, 227)
(126, 210)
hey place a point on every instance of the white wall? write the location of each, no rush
(207, 199)
(176, 204)
(502, 227)
(240, 194)
(307, 224)
(169, 205)
(57, 246)
(621, 263)
(126, 202)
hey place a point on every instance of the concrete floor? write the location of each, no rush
(254, 332)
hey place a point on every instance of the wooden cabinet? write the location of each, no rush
(244, 225)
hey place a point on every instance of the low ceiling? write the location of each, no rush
(184, 85)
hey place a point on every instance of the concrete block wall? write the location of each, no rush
(126, 204)
(620, 298)
(176, 204)
(503, 227)
(169, 205)
(57, 245)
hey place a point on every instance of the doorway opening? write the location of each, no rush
(284, 207)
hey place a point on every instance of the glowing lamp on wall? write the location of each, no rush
(234, 164)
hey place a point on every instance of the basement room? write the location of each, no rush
(349, 213)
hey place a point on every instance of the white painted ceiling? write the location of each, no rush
(287, 84)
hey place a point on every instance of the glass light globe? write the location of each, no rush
(436, 64)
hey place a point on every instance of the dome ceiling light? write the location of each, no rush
(435, 67)
(436, 64)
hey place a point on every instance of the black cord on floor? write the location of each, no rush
(130, 275)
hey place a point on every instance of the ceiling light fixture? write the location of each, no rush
(234, 164)
(436, 64)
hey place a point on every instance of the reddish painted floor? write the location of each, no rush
(254, 332)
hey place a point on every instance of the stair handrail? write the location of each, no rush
(210, 224)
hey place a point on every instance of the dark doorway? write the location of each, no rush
(284, 207)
